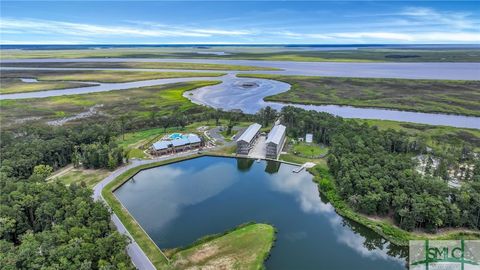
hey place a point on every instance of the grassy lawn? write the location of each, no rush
(246, 247)
(78, 175)
(159, 65)
(263, 53)
(441, 96)
(10, 79)
(137, 102)
(136, 153)
(301, 152)
(289, 157)
(309, 150)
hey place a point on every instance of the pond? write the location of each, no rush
(181, 202)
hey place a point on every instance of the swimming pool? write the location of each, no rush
(175, 136)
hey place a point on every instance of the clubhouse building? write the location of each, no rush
(175, 143)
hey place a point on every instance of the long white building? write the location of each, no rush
(275, 141)
(246, 141)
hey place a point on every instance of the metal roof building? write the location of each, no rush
(276, 134)
(275, 141)
(250, 133)
(185, 140)
(246, 141)
(160, 145)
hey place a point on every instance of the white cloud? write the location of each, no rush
(374, 35)
(416, 25)
(428, 37)
(460, 20)
(79, 29)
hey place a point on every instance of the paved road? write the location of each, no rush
(259, 150)
(218, 137)
(138, 257)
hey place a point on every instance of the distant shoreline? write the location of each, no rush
(206, 46)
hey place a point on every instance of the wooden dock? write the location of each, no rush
(305, 165)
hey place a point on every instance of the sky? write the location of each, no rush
(240, 22)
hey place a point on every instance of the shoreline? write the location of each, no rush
(390, 232)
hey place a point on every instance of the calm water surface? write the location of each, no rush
(230, 95)
(181, 202)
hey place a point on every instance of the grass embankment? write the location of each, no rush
(163, 99)
(274, 53)
(383, 227)
(48, 80)
(156, 65)
(141, 237)
(244, 247)
(258, 238)
(433, 96)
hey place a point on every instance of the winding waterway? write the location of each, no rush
(231, 94)
(181, 202)
(440, 71)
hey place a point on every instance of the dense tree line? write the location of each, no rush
(34, 145)
(98, 155)
(374, 173)
(46, 225)
(51, 226)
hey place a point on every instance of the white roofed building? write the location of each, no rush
(246, 141)
(182, 143)
(275, 141)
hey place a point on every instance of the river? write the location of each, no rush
(231, 94)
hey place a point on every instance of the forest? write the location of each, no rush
(375, 174)
(47, 225)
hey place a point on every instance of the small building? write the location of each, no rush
(246, 141)
(309, 138)
(177, 143)
(275, 141)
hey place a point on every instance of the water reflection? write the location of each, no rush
(244, 164)
(179, 203)
(178, 189)
(373, 246)
(301, 187)
(272, 167)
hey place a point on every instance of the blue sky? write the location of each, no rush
(239, 22)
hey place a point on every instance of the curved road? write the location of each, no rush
(138, 257)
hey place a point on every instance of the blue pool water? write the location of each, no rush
(175, 136)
